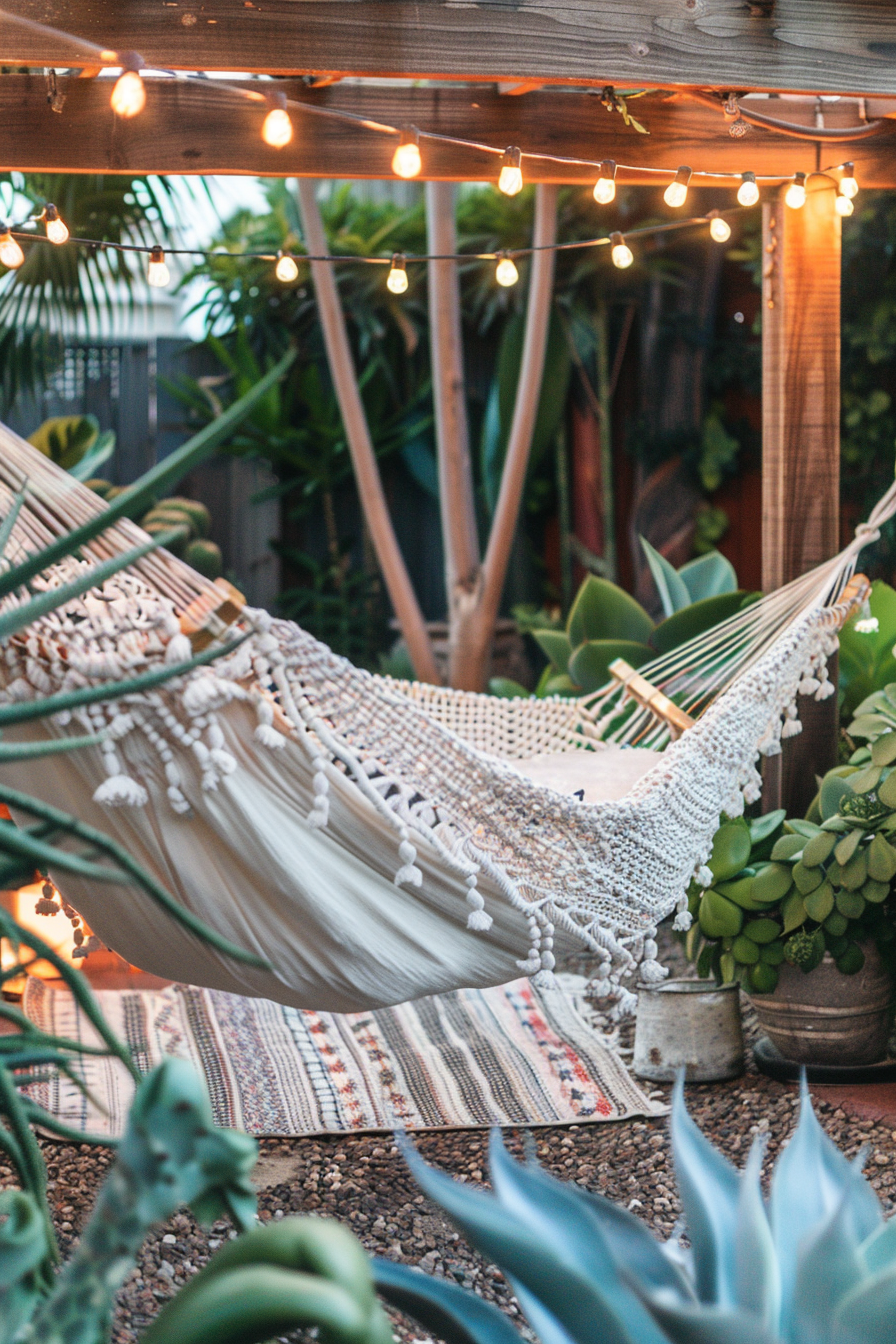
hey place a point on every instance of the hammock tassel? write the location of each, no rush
(320, 812)
(118, 790)
(479, 920)
(409, 874)
(266, 734)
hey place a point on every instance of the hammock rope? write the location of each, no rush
(402, 804)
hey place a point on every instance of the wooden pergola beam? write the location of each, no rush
(842, 46)
(201, 126)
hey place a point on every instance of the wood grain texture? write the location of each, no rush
(800, 384)
(200, 127)
(834, 46)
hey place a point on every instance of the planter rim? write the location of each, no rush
(683, 986)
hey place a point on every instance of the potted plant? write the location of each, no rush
(802, 911)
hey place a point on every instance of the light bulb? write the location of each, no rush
(510, 180)
(406, 161)
(719, 229)
(56, 230)
(677, 191)
(795, 195)
(848, 184)
(621, 254)
(128, 95)
(11, 255)
(605, 186)
(506, 272)
(286, 269)
(397, 279)
(843, 205)
(276, 129)
(748, 192)
(157, 272)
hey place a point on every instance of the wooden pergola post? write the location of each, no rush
(801, 438)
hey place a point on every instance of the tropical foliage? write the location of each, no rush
(867, 661)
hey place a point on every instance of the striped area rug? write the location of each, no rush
(507, 1056)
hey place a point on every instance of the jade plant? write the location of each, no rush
(606, 623)
(815, 1263)
(825, 885)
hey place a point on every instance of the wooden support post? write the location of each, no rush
(801, 436)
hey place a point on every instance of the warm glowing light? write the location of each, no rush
(843, 205)
(56, 229)
(397, 279)
(506, 272)
(286, 269)
(11, 255)
(276, 129)
(748, 192)
(605, 186)
(510, 180)
(621, 254)
(128, 95)
(406, 161)
(719, 229)
(795, 196)
(848, 184)
(157, 272)
(677, 191)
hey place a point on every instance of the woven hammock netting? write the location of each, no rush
(378, 840)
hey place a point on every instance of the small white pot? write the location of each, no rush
(692, 1025)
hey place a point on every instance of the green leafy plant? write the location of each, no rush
(813, 1264)
(74, 442)
(867, 662)
(606, 623)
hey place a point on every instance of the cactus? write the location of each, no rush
(815, 1264)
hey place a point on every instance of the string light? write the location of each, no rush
(56, 229)
(506, 272)
(843, 205)
(397, 279)
(747, 192)
(795, 196)
(157, 272)
(848, 184)
(677, 191)
(510, 179)
(276, 129)
(621, 254)
(128, 95)
(605, 186)
(11, 255)
(719, 228)
(286, 269)
(406, 161)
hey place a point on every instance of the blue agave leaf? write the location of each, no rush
(828, 1268)
(555, 1208)
(692, 1324)
(590, 1312)
(709, 1187)
(452, 1313)
(672, 589)
(543, 1322)
(708, 576)
(810, 1179)
(866, 1315)
(757, 1281)
(878, 1252)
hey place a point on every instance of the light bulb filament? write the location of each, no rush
(286, 269)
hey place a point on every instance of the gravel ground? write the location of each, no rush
(362, 1180)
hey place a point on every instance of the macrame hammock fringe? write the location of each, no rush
(379, 840)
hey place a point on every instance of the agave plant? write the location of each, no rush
(606, 623)
(813, 1264)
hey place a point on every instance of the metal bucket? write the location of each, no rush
(692, 1025)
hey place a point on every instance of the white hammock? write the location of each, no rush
(378, 840)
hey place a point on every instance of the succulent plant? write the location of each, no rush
(605, 623)
(813, 1264)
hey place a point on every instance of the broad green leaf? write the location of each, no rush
(589, 662)
(708, 576)
(555, 645)
(696, 619)
(91, 462)
(833, 788)
(730, 850)
(602, 610)
(673, 592)
(505, 688)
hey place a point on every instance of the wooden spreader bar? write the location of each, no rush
(648, 695)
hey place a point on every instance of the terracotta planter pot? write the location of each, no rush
(828, 1018)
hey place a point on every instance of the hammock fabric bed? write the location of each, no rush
(377, 840)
